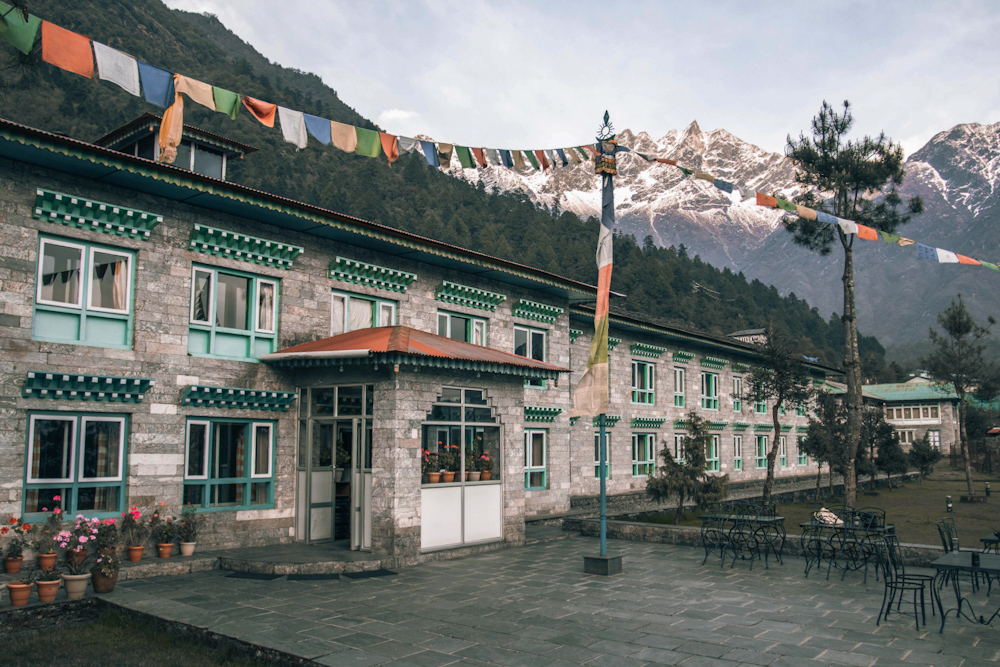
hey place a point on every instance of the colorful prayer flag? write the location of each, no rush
(805, 212)
(262, 111)
(725, 186)
(533, 159)
(119, 68)
(390, 146)
(493, 156)
(430, 153)
(867, 233)
(464, 157)
(196, 90)
(946, 256)
(293, 127)
(926, 252)
(903, 242)
(824, 217)
(562, 157)
(888, 238)
(702, 176)
(962, 259)
(407, 144)
(67, 50)
(766, 200)
(506, 158)
(991, 266)
(480, 156)
(786, 205)
(343, 136)
(172, 130)
(227, 102)
(574, 156)
(444, 154)
(847, 226)
(369, 143)
(157, 84)
(519, 163)
(666, 161)
(318, 127)
(16, 30)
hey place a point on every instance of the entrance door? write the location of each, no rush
(361, 486)
(315, 506)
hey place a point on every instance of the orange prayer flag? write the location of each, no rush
(666, 161)
(390, 146)
(262, 111)
(867, 233)
(544, 161)
(962, 259)
(766, 200)
(66, 49)
(592, 149)
(480, 156)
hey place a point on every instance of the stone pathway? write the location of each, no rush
(534, 606)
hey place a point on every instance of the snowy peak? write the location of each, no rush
(962, 165)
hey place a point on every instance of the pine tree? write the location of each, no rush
(855, 180)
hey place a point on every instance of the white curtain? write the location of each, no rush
(120, 290)
(265, 307)
(361, 314)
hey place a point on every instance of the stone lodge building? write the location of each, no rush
(301, 375)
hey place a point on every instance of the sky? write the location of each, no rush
(513, 74)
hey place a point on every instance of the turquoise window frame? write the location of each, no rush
(82, 311)
(760, 407)
(643, 382)
(470, 327)
(251, 333)
(709, 390)
(712, 456)
(70, 487)
(535, 383)
(347, 297)
(761, 445)
(680, 381)
(643, 454)
(803, 460)
(737, 452)
(597, 454)
(530, 470)
(800, 410)
(737, 393)
(783, 451)
(781, 409)
(206, 481)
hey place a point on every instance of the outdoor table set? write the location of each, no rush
(974, 564)
(743, 531)
(845, 544)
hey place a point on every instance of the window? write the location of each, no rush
(783, 451)
(712, 455)
(761, 451)
(530, 343)
(83, 294)
(643, 462)
(678, 387)
(78, 457)
(710, 391)
(233, 314)
(781, 409)
(229, 464)
(934, 437)
(350, 312)
(800, 410)
(461, 429)
(597, 453)
(462, 327)
(737, 394)
(679, 448)
(906, 437)
(803, 459)
(913, 412)
(643, 382)
(760, 407)
(738, 452)
(534, 459)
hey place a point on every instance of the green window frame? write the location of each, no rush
(803, 460)
(737, 394)
(84, 293)
(783, 451)
(467, 328)
(82, 457)
(222, 323)
(737, 452)
(229, 463)
(761, 442)
(352, 312)
(643, 382)
(535, 459)
(678, 387)
(712, 455)
(760, 407)
(781, 409)
(679, 448)
(597, 453)
(531, 343)
(800, 410)
(709, 390)
(643, 456)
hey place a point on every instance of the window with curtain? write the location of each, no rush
(597, 453)
(738, 452)
(534, 459)
(530, 343)
(643, 382)
(229, 464)
(232, 314)
(462, 327)
(351, 312)
(643, 454)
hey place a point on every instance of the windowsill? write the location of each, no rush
(234, 508)
(454, 484)
(252, 360)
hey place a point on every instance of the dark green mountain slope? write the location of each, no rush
(663, 283)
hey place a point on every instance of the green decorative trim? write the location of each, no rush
(537, 413)
(801, 429)
(233, 397)
(574, 420)
(683, 357)
(471, 297)
(574, 334)
(645, 350)
(819, 382)
(360, 273)
(78, 387)
(609, 420)
(717, 426)
(532, 310)
(420, 361)
(74, 211)
(714, 362)
(763, 427)
(647, 422)
(785, 428)
(242, 247)
(740, 367)
(740, 426)
(680, 423)
(613, 343)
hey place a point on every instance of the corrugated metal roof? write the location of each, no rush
(914, 390)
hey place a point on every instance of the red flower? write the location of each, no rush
(25, 527)
(4, 530)
(12, 521)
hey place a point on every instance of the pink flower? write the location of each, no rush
(56, 510)
(56, 497)
(83, 539)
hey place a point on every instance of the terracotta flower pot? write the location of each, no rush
(47, 590)
(13, 565)
(102, 583)
(474, 476)
(76, 585)
(486, 475)
(109, 551)
(448, 476)
(19, 593)
(135, 554)
(187, 548)
(433, 478)
(164, 550)
(46, 561)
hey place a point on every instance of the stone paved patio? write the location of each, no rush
(534, 606)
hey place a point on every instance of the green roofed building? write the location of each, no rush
(918, 407)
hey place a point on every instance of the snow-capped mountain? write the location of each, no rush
(957, 173)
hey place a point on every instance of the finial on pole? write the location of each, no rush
(607, 130)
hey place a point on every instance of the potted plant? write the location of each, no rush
(108, 536)
(472, 472)
(485, 465)
(104, 574)
(14, 536)
(19, 591)
(44, 537)
(47, 583)
(135, 531)
(165, 533)
(187, 531)
(77, 555)
(449, 461)
(430, 467)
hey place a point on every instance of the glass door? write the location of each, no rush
(361, 485)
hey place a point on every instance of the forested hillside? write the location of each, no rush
(663, 283)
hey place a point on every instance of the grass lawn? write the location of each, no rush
(913, 508)
(114, 639)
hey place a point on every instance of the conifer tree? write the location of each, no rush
(855, 180)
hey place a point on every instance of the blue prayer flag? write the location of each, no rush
(725, 186)
(507, 160)
(157, 84)
(926, 252)
(826, 217)
(318, 127)
(562, 156)
(430, 152)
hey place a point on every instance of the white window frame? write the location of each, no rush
(761, 411)
(253, 450)
(31, 449)
(597, 453)
(528, 449)
(707, 400)
(78, 305)
(121, 448)
(529, 331)
(738, 452)
(803, 458)
(650, 391)
(934, 438)
(210, 309)
(758, 440)
(712, 460)
(650, 452)
(737, 393)
(274, 303)
(679, 448)
(783, 451)
(128, 283)
(680, 381)
(187, 448)
(379, 303)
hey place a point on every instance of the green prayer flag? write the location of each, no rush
(369, 143)
(889, 238)
(583, 153)
(787, 205)
(990, 266)
(686, 170)
(226, 101)
(532, 159)
(464, 156)
(16, 30)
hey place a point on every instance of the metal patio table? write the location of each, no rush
(961, 561)
(991, 544)
(768, 533)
